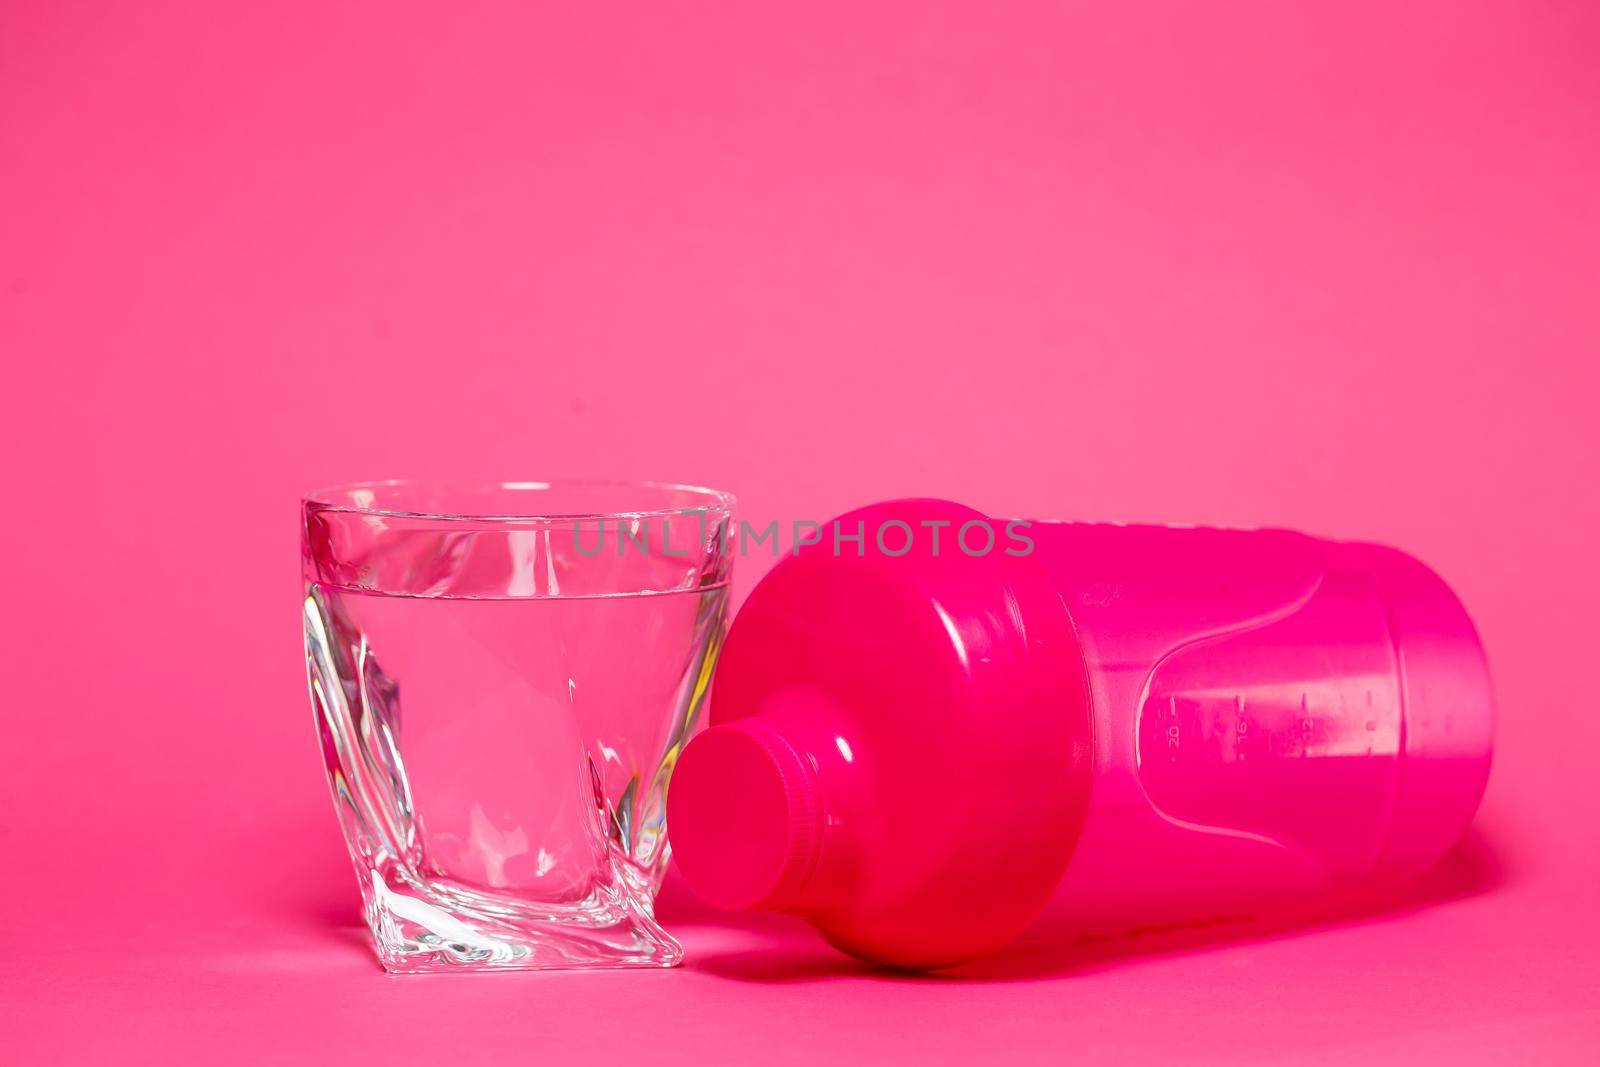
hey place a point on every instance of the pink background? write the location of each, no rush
(1324, 266)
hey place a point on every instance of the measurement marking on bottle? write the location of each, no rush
(1241, 729)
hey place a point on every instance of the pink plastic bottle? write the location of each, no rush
(923, 752)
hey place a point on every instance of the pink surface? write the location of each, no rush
(1329, 268)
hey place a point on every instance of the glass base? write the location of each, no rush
(419, 928)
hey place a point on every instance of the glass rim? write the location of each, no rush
(326, 499)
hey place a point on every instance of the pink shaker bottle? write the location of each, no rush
(932, 730)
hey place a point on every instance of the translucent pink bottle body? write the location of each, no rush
(1275, 718)
(925, 752)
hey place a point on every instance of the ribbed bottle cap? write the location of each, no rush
(745, 817)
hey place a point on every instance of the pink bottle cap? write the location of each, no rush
(747, 817)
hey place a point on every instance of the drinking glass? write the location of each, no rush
(503, 675)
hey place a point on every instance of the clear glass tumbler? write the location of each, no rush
(503, 676)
